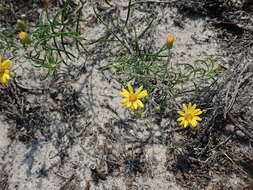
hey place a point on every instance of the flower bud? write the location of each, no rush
(157, 109)
(24, 37)
(21, 25)
(137, 114)
(170, 40)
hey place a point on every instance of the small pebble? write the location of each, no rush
(178, 138)
(240, 134)
(158, 133)
(230, 128)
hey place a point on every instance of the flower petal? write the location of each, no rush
(134, 106)
(185, 108)
(7, 72)
(140, 103)
(127, 104)
(139, 90)
(194, 123)
(1, 78)
(5, 64)
(142, 94)
(197, 112)
(130, 88)
(190, 106)
(181, 113)
(197, 118)
(180, 119)
(124, 100)
(193, 107)
(185, 123)
(4, 77)
(124, 92)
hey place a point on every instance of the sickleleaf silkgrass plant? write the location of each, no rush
(164, 81)
(151, 70)
(139, 61)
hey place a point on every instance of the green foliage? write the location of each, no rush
(55, 36)
(52, 39)
(3, 9)
(155, 70)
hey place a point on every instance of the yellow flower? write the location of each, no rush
(23, 36)
(132, 98)
(4, 71)
(189, 116)
(170, 40)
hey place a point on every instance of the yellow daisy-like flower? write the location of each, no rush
(189, 116)
(23, 36)
(170, 40)
(132, 98)
(4, 71)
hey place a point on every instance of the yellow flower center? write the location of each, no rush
(132, 97)
(189, 116)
